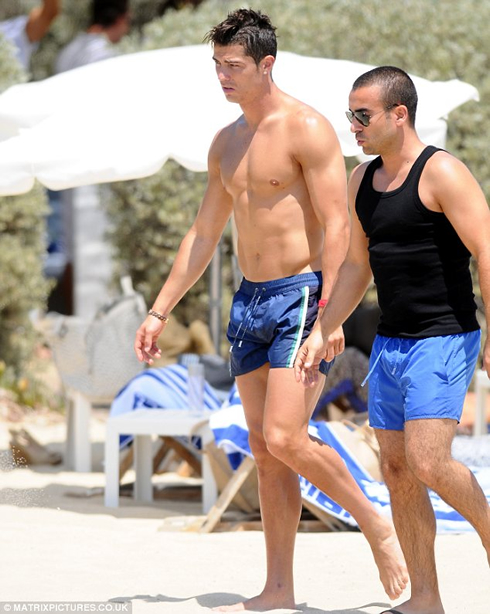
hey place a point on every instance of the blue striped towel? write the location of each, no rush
(231, 434)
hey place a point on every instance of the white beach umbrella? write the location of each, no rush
(124, 117)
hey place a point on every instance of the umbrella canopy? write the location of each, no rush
(124, 117)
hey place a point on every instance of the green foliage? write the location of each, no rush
(22, 232)
(29, 389)
(12, 8)
(22, 285)
(10, 69)
(151, 216)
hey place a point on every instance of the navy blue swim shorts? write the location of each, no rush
(270, 320)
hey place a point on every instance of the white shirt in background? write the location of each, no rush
(14, 31)
(84, 49)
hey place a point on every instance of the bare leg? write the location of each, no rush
(288, 410)
(280, 503)
(415, 524)
(283, 449)
(451, 480)
(413, 461)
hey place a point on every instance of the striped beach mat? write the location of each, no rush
(231, 434)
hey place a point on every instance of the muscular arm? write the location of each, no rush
(460, 197)
(194, 255)
(355, 274)
(40, 19)
(353, 280)
(323, 168)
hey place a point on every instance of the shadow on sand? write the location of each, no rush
(213, 600)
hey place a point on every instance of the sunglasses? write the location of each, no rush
(364, 118)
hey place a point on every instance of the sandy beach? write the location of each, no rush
(60, 543)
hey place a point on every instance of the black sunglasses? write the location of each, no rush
(363, 118)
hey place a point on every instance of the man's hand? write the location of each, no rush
(145, 344)
(309, 356)
(335, 344)
(313, 351)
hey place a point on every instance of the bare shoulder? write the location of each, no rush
(310, 134)
(220, 143)
(307, 121)
(443, 167)
(224, 134)
(447, 184)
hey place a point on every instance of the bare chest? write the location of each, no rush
(261, 165)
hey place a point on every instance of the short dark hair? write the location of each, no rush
(105, 13)
(396, 86)
(251, 29)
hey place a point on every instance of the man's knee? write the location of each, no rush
(427, 466)
(394, 469)
(281, 442)
(258, 447)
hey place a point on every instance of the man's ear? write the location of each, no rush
(401, 113)
(267, 63)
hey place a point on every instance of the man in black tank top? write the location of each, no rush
(418, 215)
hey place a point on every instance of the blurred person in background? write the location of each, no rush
(110, 21)
(25, 31)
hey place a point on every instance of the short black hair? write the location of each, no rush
(252, 30)
(105, 13)
(396, 86)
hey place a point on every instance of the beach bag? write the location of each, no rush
(97, 358)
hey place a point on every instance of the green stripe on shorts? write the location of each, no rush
(301, 325)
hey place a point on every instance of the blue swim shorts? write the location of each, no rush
(413, 379)
(270, 320)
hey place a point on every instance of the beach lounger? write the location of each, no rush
(227, 422)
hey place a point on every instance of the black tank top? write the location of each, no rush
(420, 265)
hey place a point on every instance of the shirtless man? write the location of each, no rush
(280, 170)
(417, 216)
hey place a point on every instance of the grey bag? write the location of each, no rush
(97, 358)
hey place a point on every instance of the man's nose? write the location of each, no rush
(222, 74)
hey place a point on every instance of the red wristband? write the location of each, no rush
(322, 303)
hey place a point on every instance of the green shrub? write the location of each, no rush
(22, 247)
(22, 284)
(150, 218)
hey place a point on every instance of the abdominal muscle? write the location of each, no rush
(277, 239)
(279, 234)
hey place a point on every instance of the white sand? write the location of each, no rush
(60, 547)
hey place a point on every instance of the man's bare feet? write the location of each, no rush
(388, 558)
(260, 603)
(415, 606)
